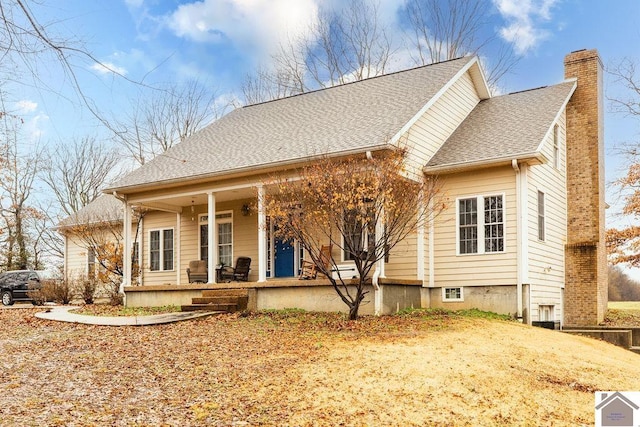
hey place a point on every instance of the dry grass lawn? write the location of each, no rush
(303, 369)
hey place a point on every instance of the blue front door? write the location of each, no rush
(283, 258)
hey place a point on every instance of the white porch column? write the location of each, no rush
(140, 251)
(176, 256)
(262, 237)
(126, 249)
(212, 253)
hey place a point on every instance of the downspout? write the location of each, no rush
(375, 280)
(519, 237)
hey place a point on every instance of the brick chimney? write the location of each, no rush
(586, 287)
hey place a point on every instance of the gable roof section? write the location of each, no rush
(504, 127)
(350, 118)
(105, 208)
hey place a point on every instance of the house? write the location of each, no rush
(615, 410)
(523, 232)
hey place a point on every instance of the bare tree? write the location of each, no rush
(448, 30)
(363, 207)
(624, 244)
(164, 117)
(27, 42)
(625, 75)
(16, 185)
(344, 45)
(101, 234)
(77, 172)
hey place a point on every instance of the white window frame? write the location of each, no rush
(446, 298)
(542, 222)
(173, 249)
(480, 224)
(92, 263)
(365, 242)
(546, 312)
(224, 217)
(221, 218)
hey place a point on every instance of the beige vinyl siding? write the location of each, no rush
(75, 258)
(546, 258)
(403, 261)
(475, 269)
(437, 124)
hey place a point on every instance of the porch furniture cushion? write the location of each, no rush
(197, 272)
(240, 272)
(309, 270)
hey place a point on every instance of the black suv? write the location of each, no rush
(14, 285)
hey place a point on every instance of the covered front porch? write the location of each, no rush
(218, 224)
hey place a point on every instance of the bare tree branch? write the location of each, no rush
(164, 118)
(77, 172)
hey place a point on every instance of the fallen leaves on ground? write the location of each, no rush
(625, 318)
(302, 369)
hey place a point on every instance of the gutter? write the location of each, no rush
(252, 169)
(524, 157)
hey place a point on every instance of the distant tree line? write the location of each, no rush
(621, 286)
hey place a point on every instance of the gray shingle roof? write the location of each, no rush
(504, 126)
(353, 117)
(105, 208)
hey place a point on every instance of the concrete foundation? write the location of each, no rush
(310, 295)
(498, 299)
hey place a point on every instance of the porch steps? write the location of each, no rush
(225, 300)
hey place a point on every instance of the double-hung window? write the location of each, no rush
(91, 263)
(161, 250)
(480, 224)
(358, 236)
(541, 225)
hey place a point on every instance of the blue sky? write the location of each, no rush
(220, 41)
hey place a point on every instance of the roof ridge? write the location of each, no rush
(356, 81)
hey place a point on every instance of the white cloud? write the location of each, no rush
(35, 127)
(524, 22)
(26, 106)
(257, 26)
(108, 67)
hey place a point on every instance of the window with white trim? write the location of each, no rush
(224, 226)
(357, 236)
(546, 313)
(541, 221)
(161, 250)
(452, 294)
(91, 263)
(480, 232)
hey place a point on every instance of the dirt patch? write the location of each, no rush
(303, 369)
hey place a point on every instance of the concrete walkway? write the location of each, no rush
(61, 314)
